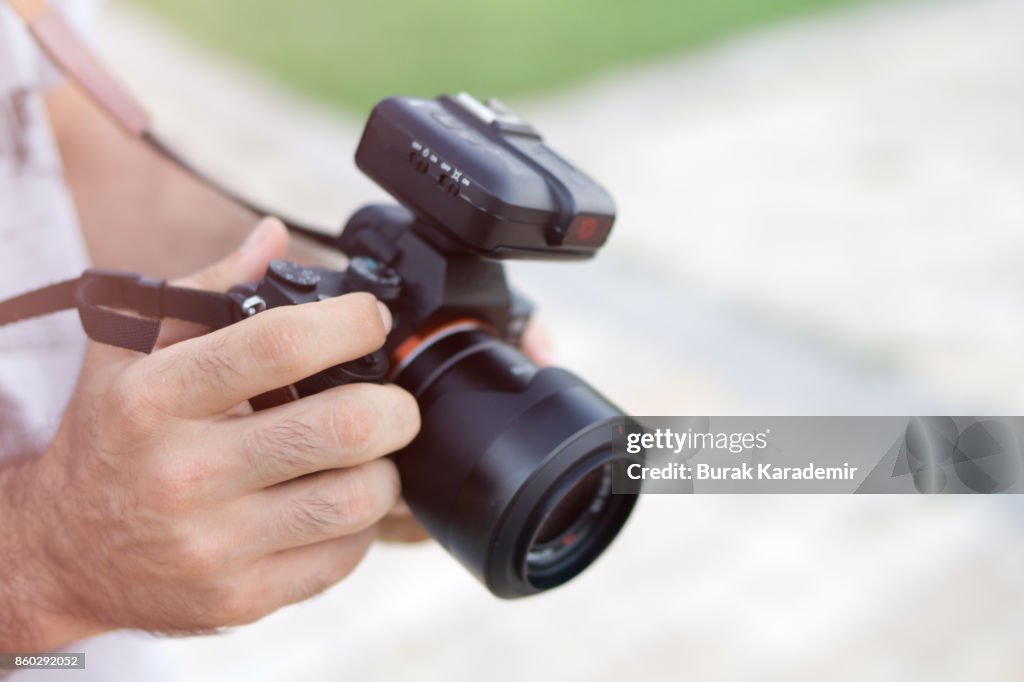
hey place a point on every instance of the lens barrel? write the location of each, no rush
(512, 469)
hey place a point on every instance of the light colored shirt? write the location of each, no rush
(40, 243)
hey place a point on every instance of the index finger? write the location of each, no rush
(210, 374)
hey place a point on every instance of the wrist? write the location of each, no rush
(35, 617)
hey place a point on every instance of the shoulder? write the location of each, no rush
(22, 66)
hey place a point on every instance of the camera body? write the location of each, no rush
(512, 469)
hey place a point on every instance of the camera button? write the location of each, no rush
(449, 184)
(293, 275)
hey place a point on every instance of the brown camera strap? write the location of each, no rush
(99, 295)
(71, 54)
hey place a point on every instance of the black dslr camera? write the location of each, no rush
(512, 470)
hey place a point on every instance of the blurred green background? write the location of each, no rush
(350, 54)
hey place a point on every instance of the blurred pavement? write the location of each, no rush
(822, 217)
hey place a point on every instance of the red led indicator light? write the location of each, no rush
(587, 228)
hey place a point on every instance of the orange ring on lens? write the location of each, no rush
(409, 348)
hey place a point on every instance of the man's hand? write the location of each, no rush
(165, 504)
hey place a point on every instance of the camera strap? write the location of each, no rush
(73, 56)
(99, 294)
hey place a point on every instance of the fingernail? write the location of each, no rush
(385, 315)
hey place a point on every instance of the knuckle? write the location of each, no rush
(200, 558)
(131, 405)
(358, 501)
(124, 391)
(351, 424)
(178, 485)
(279, 344)
(366, 494)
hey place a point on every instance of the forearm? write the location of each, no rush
(138, 211)
(30, 617)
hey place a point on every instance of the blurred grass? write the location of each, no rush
(350, 54)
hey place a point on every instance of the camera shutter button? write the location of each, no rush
(294, 275)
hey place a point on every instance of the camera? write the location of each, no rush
(512, 470)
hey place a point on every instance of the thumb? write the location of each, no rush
(247, 263)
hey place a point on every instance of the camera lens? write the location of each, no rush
(513, 466)
(573, 511)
